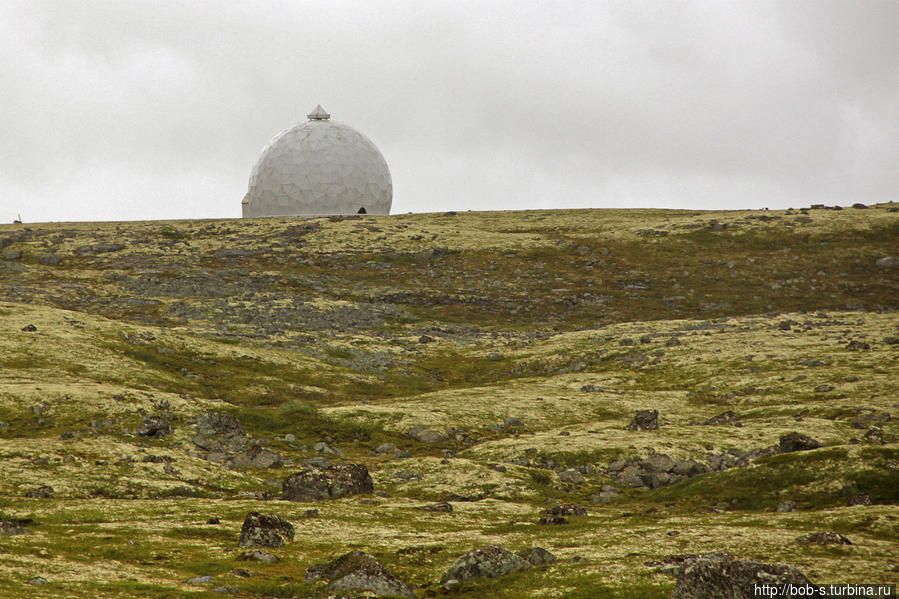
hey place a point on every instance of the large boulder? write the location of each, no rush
(327, 481)
(358, 571)
(485, 562)
(154, 426)
(219, 433)
(264, 530)
(644, 420)
(797, 442)
(720, 576)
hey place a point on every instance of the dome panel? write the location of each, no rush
(316, 168)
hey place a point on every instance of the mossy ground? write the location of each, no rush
(351, 331)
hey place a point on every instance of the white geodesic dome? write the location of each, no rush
(319, 168)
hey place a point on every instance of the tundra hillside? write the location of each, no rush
(621, 388)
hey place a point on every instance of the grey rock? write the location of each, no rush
(14, 527)
(49, 260)
(856, 345)
(723, 418)
(11, 254)
(154, 426)
(644, 420)
(37, 581)
(797, 442)
(358, 571)
(786, 506)
(256, 457)
(537, 556)
(264, 530)
(720, 576)
(259, 556)
(689, 468)
(888, 262)
(512, 422)
(657, 462)
(874, 436)
(673, 342)
(443, 506)
(571, 476)
(565, 509)
(824, 538)
(201, 580)
(386, 448)
(860, 499)
(633, 476)
(43, 492)
(99, 248)
(485, 562)
(430, 436)
(322, 447)
(331, 481)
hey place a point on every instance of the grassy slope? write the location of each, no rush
(312, 328)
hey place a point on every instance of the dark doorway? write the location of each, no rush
(362, 211)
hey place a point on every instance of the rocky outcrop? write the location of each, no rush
(154, 426)
(824, 538)
(720, 576)
(485, 562)
(797, 442)
(327, 481)
(644, 420)
(358, 571)
(264, 530)
(218, 432)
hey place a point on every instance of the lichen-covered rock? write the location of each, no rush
(358, 571)
(485, 562)
(720, 576)
(154, 426)
(565, 509)
(327, 481)
(797, 442)
(824, 538)
(255, 457)
(264, 530)
(644, 420)
(43, 492)
(14, 527)
(536, 556)
(219, 433)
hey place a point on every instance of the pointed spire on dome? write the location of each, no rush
(318, 114)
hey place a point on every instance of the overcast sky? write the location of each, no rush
(126, 110)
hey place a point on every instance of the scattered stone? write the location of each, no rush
(11, 254)
(264, 530)
(29, 328)
(331, 481)
(856, 345)
(860, 499)
(424, 435)
(891, 340)
(155, 427)
(626, 342)
(786, 506)
(591, 389)
(43, 492)
(823, 388)
(571, 476)
(673, 342)
(824, 538)
(565, 509)
(551, 520)
(797, 442)
(720, 576)
(313, 513)
(689, 468)
(874, 436)
(386, 448)
(785, 325)
(201, 580)
(322, 447)
(537, 556)
(49, 259)
(38, 580)
(728, 417)
(888, 262)
(607, 494)
(99, 248)
(443, 506)
(485, 562)
(213, 520)
(218, 432)
(425, 339)
(511, 422)
(358, 571)
(259, 556)
(14, 527)
(644, 420)
(255, 457)
(645, 339)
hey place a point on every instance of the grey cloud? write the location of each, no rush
(158, 110)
